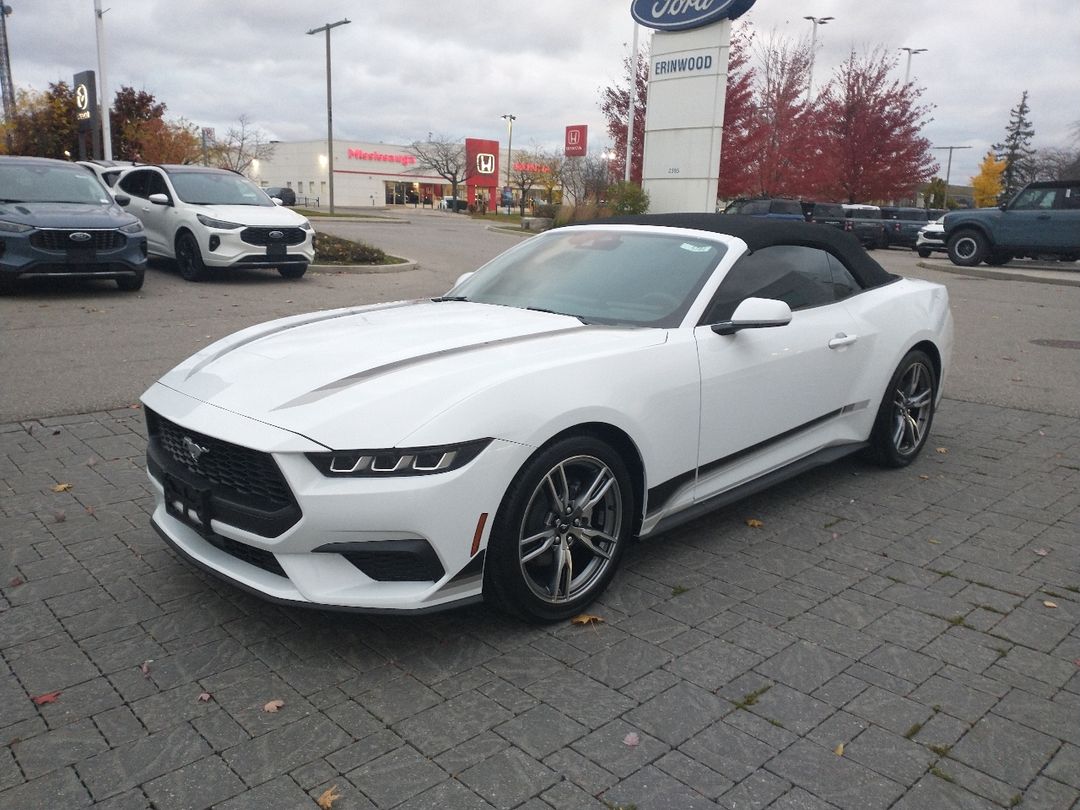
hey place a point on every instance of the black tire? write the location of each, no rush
(189, 259)
(906, 412)
(577, 535)
(968, 247)
(132, 283)
(7, 285)
(293, 270)
(998, 258)
(924, 253)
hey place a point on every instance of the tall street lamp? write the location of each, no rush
(103, 86)
(910, 53)
(510, 119)
(329, 108)
(813, 45)
(948, 170)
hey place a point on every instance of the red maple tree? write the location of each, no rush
(872, 147)
(741, 138)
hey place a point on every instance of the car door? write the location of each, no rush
(1067, 219)
(772, 395)
(140, 184)
(1028, 222)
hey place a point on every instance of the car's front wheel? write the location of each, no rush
(292, 270)
(924, 253)
(561, 529)
(132, 283)
(189, 258)
(967, 248)
(906, 412)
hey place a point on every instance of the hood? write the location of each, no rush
(368, 377)
(66, 215)
(257, 215)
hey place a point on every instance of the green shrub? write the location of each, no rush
(544, 210)
(628, 198)
(332, 250)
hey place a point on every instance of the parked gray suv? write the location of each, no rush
(1043, 219)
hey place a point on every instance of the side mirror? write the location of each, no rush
(755, 313)
(277, 200)
(1004, 206)
(159, 199)
(462, 278)
(122, 200)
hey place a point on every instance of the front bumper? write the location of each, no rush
(350, 539)
(21, 259)
(227, 248)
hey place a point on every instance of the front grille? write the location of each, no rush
(224, 465)
(56, 239)
(261, 236)
(249, 554)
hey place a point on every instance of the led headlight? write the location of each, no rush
(306, 225)
(14, 227)
(221, 224)
(133, 227)
(397, 461)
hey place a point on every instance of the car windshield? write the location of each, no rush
(39, 183)
(212, 188)
(600, 276)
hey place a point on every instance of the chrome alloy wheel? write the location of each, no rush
(570, 529)
(912, 408)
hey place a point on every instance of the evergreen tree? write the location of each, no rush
(1016, 149)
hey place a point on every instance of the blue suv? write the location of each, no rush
(58, 221)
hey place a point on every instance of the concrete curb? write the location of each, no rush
(510, 231)
(400, 267)
(1034, 275)
(359, 220)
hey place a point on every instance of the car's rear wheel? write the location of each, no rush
(998, 258)
(132, 283)
(560, 531)
(293, 270)
(906, 412)
(967, 248)
(189, 258)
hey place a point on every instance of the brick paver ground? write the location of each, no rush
(927, 620)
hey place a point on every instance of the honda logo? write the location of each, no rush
(573, 137)
(485, 163)
(80, 236)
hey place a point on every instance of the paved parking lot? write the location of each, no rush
(905, 639)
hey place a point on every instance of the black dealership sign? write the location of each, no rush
(86, 106)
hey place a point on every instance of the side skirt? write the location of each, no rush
(721, 499)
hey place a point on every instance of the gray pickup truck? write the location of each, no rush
(1043, 219)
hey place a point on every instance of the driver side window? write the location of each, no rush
(800, 276)
(135, 184)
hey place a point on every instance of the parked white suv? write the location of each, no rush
(209, 219)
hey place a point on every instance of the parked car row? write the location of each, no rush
(101, 220)
(874, 226)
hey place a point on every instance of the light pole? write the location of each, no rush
(631, 107)
(329, 109)
(813, 56)
(910, 53)
(948, 169)
(103, 86)
(510, 119)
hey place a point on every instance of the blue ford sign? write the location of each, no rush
(681, 15)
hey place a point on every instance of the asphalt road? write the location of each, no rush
(74, 349)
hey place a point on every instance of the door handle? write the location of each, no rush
(841, 340)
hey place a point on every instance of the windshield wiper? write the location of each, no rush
(451, 298)
(553, 312)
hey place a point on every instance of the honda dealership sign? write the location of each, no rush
(577, 140)
(687, 88)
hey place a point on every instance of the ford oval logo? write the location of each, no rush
(682, 15)
(80, 236)
(276, 235)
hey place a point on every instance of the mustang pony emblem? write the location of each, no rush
(194, 450)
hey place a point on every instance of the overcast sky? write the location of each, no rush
(404, 68)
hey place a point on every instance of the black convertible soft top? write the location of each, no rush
(758, 232)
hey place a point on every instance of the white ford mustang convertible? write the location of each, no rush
(507, 440)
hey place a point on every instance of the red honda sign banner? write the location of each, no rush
(577, 140)
(482, 171)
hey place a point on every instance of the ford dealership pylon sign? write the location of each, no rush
(682, 15)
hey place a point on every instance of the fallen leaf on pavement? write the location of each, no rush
(632, 739)
(16, 582)
(90, 511)
(754, 523)
(48, 697)
(204, 697)
(1042, 552)
(90, 462)
(144, 667)
(587, 618)
(934, 542)
(328, 797)
(942, 451)
(839, 750)
(1049, 604)
(925, 477)
(59, 516)
(61, 488)
(273, 706)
